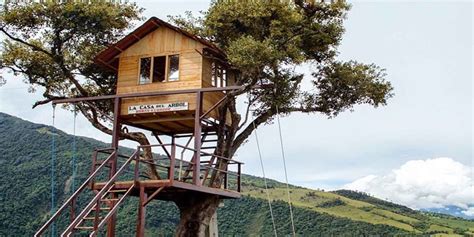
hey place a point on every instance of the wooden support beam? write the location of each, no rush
(197, 140)
(141, 212)
(117, 127)
(158, 120)
(153, 195)
(162, 144)
(108, 65)
(172, 160)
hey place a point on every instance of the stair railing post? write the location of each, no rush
(239, 173)
(115, 142)
(141, 212)
(197, 140)
(73, 210)
(172, 159)
(137, 165)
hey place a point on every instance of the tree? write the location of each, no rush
(52, 46)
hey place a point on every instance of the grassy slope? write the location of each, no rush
(25, 154)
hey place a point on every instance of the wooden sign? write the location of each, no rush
(156, 108)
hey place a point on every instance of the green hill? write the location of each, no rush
(25, 196)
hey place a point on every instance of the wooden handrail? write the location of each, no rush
(207, 153)
(98, 196)
(73, 196)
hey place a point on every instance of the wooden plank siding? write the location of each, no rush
(194, 72)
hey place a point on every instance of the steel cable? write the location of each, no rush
(265, 180)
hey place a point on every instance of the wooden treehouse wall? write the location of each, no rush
(194, 70)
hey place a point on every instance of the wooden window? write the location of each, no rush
(145, 65)
(159, 68)
(219, 75)
(173, 67)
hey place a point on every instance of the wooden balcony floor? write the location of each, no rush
(172, 190)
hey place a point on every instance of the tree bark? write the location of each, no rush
(195, 213)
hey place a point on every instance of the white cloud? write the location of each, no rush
(431, 183)
(469, 211)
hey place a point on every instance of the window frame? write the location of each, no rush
(167, 59)
(218, 74)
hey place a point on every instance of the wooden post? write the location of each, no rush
(113, 166)
(239, 173)
(197, 140)
(141, 212)
(172, 159)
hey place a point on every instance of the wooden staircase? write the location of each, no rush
(95, 215)
(98, 212)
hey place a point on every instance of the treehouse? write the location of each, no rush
(172, 83)
(156, 57)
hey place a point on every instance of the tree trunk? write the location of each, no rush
(195, 213)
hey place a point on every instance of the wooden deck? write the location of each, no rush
(171, 190)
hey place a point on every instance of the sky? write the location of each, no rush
(425, 130)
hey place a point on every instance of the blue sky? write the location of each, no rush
(426, 48)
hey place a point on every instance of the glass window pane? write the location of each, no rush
(145, 64)
(173, 70)
(159, 65)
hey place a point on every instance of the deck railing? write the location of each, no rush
(170, 165)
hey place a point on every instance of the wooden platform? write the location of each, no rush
(172, 189)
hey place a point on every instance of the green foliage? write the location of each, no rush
(333, 203)
(265, 40)
(53, 44)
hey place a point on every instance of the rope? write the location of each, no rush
(286, 173)
(53, 170)
(265, 179)
(74, 150)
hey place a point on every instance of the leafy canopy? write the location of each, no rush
(265, 40)
(53, 45)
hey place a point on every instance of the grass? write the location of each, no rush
(325, 202)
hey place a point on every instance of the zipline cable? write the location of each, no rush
(286, 173)
(53, 171)
(264, 179)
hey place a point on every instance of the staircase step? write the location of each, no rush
(117, 190)
(101, 209)
(84, 228)
(91, 218)
(109, 200)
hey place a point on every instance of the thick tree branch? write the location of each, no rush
(32, 46)
(243, 136)
(49, 99)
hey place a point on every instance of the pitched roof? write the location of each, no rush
(107, 57)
